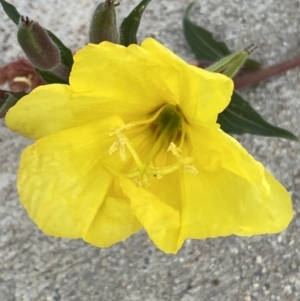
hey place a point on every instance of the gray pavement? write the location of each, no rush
(35, 267)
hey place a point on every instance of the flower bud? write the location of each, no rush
(231, 64)
(104, 23)
(37, 45)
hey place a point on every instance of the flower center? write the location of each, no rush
(167, 127)
(169, 120)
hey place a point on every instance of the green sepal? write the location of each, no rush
(231, 64)
(130, 24)
(9, 100)
(240, 118)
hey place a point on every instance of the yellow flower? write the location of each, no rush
(133, 143)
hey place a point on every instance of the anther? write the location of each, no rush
(184, 160)
(118, 130)
(191, 169)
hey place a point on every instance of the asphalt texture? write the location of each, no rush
(36, 267)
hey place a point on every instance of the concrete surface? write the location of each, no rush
(35, 267)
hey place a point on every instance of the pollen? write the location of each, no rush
(184, 160)
(120, 142)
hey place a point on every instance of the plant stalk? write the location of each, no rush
(264, 73)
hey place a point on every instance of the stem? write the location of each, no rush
(263, 74)
(3, 93)
(8, 100)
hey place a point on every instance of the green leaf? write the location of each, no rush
(11, 98)
(240, 118)
(201, 41)
(252, 64)
(11, 11)
(130, 24)
(49, 77)
(204, 45)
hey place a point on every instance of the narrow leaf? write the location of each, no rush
(11, 11)
(240, 118)
(201, 41)
(204, 45)
(252, 64)
(10, 99)
(130, 25)
(49, 77)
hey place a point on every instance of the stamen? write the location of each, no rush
(122, 153)
(173, 148)
(121, 140)
(141, 166)
(181, 159)
(114, 147)
(191, 169)
(118, 130)
(165, 126)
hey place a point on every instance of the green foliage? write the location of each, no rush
(50, 77)
(9, 100)
(204, 45)
(130, 25)
(239, 117)
(230, 64)
(11, 11)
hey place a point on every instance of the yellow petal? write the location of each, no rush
(44, 111)
(202, 94)
(164, 54)
(222, 203)
(99, 69)
(62, 182)
(119, 74)
(52, 108)
(113, 223)
(112, 79)
(213, 150)
(161, 221)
